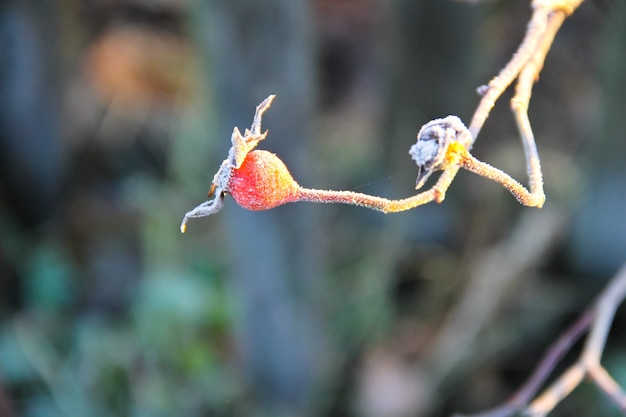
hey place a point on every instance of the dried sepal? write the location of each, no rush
(205, 209)
(242, 145)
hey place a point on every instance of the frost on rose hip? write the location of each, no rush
(257, 180)
(262, 182)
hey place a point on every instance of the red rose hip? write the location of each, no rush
(262, 182)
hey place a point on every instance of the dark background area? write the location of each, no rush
(114, 116)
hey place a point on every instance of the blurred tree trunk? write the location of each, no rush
(432, 65)
(597, 245)
(30, 151)
(254, 49)
(433, 48)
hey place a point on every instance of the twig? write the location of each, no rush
(589, 363)
(551, 358)
(526, 64)
(599, 317)
(519, 105)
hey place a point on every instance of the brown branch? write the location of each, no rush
(551, 358)
(599, 317)
(589, 363)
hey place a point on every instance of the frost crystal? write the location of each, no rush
(424, 151)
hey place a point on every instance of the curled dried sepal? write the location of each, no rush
(430, 152)
(205, 209)
(241, 146)
(251, 137)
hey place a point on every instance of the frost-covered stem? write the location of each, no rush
(537, 41)
(365, 200)
(507, 75)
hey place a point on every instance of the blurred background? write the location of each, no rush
(114, 116)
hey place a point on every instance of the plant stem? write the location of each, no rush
(375, 203)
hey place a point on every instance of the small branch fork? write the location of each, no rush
(525, 66)
(444, 144)
(452, 153)
(598, 320)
